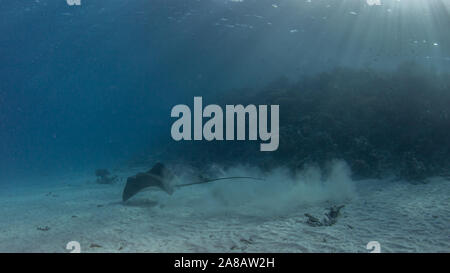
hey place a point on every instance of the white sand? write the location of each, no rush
(225, 217)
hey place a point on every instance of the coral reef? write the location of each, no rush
(381, 123)
(103, 177)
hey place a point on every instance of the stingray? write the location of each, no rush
(160, 177)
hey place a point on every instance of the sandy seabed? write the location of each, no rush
(401, 216)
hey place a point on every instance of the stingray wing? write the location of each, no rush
(139, 182)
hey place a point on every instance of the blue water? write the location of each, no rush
(92, 85)
(363, 92)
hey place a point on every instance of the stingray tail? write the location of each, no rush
(216, 179)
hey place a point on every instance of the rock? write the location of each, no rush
(95, 246)
(329, 220)
(104, 178)
(46, 228)
(313, 221)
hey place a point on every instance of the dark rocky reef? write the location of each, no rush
(103, 177)
(380, 123)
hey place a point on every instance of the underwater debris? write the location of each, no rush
(51, 194)
(104, 178)
(332, 215)
(329, 219)
(313, 221)
(46, 228)
(248, 241)
(95, 246)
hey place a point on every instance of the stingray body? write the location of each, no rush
(161, 178)
(158, 177)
